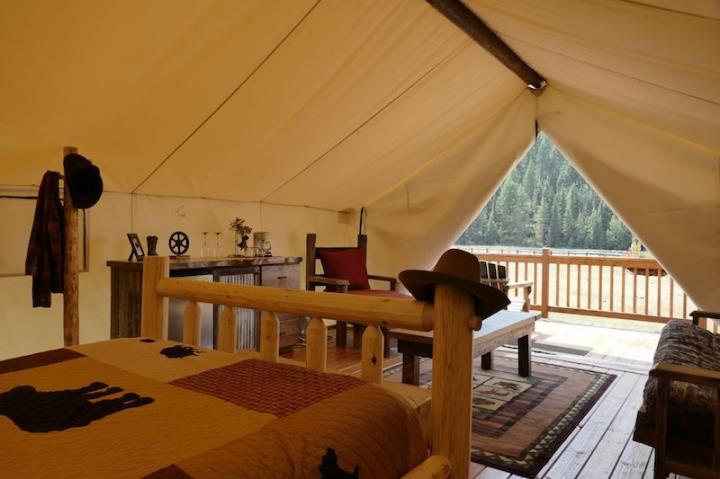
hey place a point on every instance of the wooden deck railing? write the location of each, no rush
(615, 287)
(451, 317)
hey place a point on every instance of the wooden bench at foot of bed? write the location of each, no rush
(451, 317)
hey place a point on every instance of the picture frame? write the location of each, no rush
(136, 248)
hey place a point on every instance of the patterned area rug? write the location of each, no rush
(519, 423)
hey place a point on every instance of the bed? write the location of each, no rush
(148, 407)
(187, 412)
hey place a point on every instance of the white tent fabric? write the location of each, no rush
(446, 194)
(666, 191)
(656, 66)
(290, 112)
(634, 103)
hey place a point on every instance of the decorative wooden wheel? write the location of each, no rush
(179, 243)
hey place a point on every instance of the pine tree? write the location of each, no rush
(542, 223)
(618, 236)
(545, 202)
(596, 232)
(570, 218)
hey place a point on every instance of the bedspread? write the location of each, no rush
(144, 408)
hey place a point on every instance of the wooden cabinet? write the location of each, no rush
(276, 271)
(125, 301)
(290, 329)
(283, 276)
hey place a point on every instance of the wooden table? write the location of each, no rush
(501, 328)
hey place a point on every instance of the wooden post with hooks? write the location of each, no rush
(71, 306)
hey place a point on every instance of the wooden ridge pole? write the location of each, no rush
(470, 23)
(71, 305)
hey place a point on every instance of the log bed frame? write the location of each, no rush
(452, 361)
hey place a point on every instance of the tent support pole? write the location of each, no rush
(467, 21)
(71, 315)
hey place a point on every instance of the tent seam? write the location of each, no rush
(133, 195)
(669, 10)
(631, 119)
(227, 98)
(435, 158)
(425, 75)
(544, 27)
(209, 198)
(600, 67)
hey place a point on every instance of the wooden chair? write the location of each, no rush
(314, 280)
(495, 275)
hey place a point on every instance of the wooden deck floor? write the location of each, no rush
(601, 445)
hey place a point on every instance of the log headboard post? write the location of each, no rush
(452, 377)
(154, 313)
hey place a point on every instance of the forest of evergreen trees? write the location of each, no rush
(545, 202)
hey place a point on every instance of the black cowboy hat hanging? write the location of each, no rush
(458, 268)
(83, 180)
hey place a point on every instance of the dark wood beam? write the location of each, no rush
(467, 21)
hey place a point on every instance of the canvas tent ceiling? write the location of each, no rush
(337, 105)
(275, 87)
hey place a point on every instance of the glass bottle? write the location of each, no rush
(218, 246)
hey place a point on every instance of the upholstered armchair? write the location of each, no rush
(680, 413)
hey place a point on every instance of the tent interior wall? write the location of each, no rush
(294, 115)
(27, 330)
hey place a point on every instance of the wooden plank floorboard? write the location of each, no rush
(635, 461)
(556, 455)
(579, 450)
(564, 446)
(605, 456)
(475, 470)
(650, 468)
(581, 362)
(490, 473)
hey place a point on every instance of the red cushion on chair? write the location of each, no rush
(347, 264)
